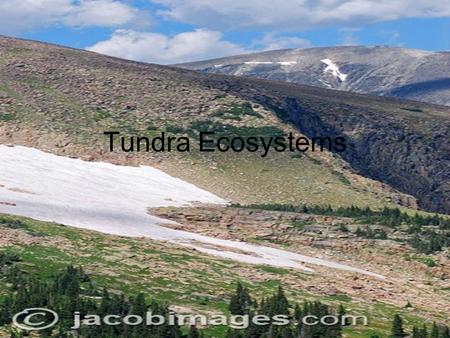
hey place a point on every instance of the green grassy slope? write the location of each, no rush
(63, 100)
(180, 277)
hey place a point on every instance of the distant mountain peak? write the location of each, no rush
(380, 70)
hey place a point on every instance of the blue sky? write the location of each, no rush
(170, 31)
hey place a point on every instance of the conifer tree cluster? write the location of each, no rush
(437, 331)
(386, 216)
(242, 304)
(368, 232)
(71, 291)
(425, 240)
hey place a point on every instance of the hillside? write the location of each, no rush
(379, 70)
(192, 282)
(62, 100)
(339, 228)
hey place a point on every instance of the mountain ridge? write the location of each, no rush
(376, 70)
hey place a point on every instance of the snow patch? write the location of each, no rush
(287, 63)
(334, 69)
(114, 199)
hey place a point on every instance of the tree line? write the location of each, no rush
(424, 238)
(398, 330)
(71, 291)
(243, 304)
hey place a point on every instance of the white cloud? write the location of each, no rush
(200, 44)
(19, 15)
(297, 14)
(100, 13)
(158, 48)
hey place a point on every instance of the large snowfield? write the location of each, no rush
(114, 199)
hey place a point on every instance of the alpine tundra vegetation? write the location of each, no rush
(360, 230)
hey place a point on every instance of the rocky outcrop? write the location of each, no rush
(386, 147)
(405, 144)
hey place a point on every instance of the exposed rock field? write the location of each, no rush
(331, 238)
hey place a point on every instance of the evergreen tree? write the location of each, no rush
(445, 332)
(241, 301)
(193, 332)
(434, 331)
(341, 314)
(234, 334)
(415, 332)
(65, 293)
(397, 330)
(424, 332)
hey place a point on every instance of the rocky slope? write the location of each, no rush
(62, 100)
(387, 71)
(403, 143)
(331, 238)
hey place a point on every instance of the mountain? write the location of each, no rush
(337, 227)
(386, 71)
(63, 100)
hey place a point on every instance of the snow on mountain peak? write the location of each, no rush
(334, 69)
